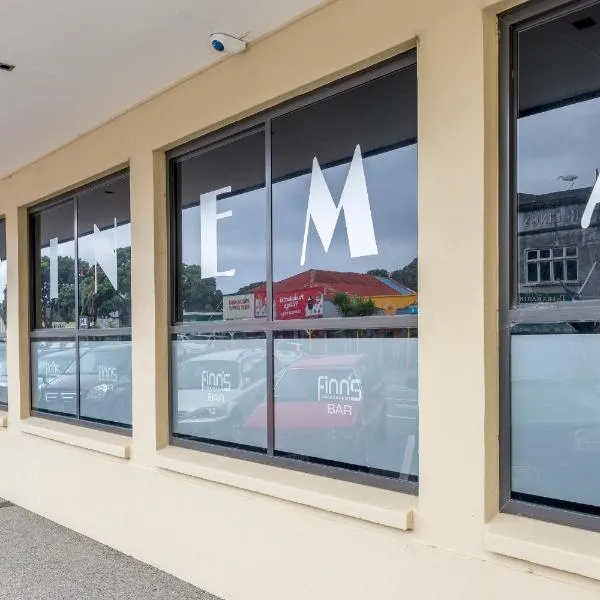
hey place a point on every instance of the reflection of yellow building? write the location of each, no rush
(391, 303)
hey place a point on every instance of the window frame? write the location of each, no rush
(510, 24)
(564, 259)
(3, 337)
(75, 333)
(268, 326)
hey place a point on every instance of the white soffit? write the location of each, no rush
(79, 63)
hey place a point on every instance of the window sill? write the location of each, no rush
(556, 546)
(90, 439)
(383, 507)
(3, 419)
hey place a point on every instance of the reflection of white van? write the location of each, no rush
(215, 392)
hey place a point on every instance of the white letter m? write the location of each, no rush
(355, 203)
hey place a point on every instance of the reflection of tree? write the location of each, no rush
(101, 304)
(246, 289)
(106, 301)
(63, 307)
(199, 294)
(378, 273)
(408, 275)
(353, 306)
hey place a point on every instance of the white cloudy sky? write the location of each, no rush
(563, 141)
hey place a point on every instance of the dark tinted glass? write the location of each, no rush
(221, 217)
(53, 383)
(217, 382)
(345, 203)
(558, 145)
(104, 253)
(347, 397)
(54, 266)
(104, 380)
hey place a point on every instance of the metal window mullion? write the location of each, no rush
(76, 252)
(270, 394)
(329, 323)
(77, 380)
(269, 193)
(269, 291)
(507, 248)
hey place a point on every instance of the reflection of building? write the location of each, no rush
(558, 259)
(389, 296)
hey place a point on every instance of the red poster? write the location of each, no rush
(260, 304)
(299, 304)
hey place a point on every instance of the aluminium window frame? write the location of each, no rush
(551, 260)
(4, 404)
(261, 122)
(72, 334)
(510, 24)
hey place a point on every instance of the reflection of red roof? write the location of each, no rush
(334, 282)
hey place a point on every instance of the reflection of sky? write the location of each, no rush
(392, 185)
(86, 246)
(86, 242)
(64, 249)
(241, 239)
(563, 141)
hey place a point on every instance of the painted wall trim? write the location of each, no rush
(556, 546)
(90, 439)
(383, 507)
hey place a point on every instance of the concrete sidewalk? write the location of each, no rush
(40, 560)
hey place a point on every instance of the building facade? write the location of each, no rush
(214, 359)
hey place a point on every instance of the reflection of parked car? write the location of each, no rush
(326, 406)
(104, 384)
(215, 392)
(52, 363)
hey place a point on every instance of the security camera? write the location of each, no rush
(223, 42)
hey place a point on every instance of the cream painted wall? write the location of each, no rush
(239, 544)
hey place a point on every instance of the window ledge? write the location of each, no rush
(74, 435)
(555, 546)
(388, 508)
(3, 419)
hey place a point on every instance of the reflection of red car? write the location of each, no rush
(327, 407)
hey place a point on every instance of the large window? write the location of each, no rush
(551, 281)
(81, 305)
(294, 305)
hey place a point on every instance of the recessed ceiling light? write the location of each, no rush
(6, 67)
(584, 23)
